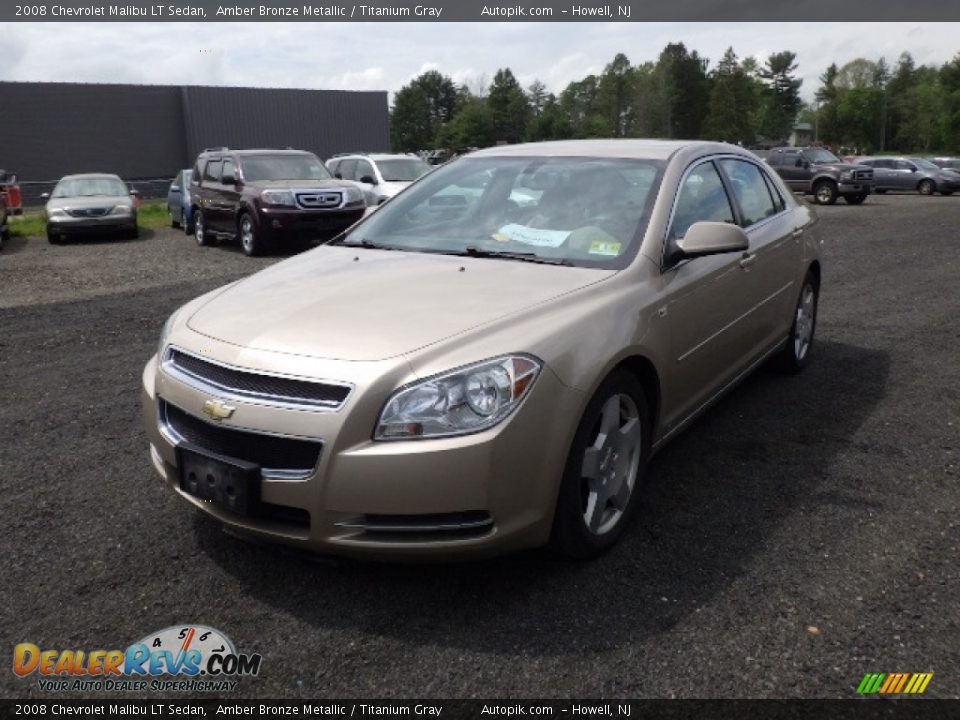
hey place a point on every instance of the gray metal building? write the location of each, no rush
(140, 132)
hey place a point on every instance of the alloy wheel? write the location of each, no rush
(803, 328)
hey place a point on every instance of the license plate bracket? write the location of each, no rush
(226, 482)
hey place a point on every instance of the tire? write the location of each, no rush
(54, 238)
(4, 237)
(133, 233)
(250, 239)
(854, 199)
(187, 225)
(175, 222)
(600, 487)
(825, 192)
(926, 187)
(200, 229)
(795, 355)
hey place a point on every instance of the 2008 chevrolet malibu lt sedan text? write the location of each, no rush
(488, 361)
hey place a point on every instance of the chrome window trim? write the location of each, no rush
(281, 401)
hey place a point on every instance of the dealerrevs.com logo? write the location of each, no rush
(189, 658)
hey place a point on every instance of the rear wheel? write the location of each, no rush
(175, 220)
(854, 199)
(926, 187)
(187, 225)
(604, 470)
(825, 192)
(796, 351)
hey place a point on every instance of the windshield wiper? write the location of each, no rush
(473, 251)
(364, 243)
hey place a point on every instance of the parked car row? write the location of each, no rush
(486, 362)
(265, 197)
(818, 172)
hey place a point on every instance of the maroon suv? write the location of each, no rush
(265, 196)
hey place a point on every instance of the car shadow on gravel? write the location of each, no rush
(715, 496)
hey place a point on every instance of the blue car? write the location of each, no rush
(178, 202)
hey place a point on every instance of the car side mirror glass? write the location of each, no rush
(713, 238)
(368, 180)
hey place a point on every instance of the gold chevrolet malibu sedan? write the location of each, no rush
(488, 361)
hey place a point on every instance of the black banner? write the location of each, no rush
(459, 11)
(482, 709)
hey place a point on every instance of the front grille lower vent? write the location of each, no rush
(421, 528)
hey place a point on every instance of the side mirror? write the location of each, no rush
(44, 196)
(366, 179)
(174, 188)
(134, 193)
(338, 176)
(713, 238)
(228, 180)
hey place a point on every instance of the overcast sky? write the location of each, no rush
(385, 56)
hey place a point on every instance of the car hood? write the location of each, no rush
(343, 303)
(843, 167)
(298, 184)
(94, 201)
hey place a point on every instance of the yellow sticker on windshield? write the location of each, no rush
(500, 237)
(603, 247)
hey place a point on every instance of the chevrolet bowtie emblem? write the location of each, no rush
(217, 409)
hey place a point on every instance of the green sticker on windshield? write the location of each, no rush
(602, 247)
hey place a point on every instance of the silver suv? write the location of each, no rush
(911, 174)
(379, 176)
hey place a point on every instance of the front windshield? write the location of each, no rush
(581, 211)
(820, 156)
(405, 170)
(90, 187)
(257, 168)
(925, 164)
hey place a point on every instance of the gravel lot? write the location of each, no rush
(802, 533)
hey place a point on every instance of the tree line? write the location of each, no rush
(863, 104)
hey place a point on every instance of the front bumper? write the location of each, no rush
(280, 222)
(857, 187)
(67, 225)
(469, 496)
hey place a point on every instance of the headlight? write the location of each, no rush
(460, 402)
(846, 175)
(353, 195)
(167, 327)
(121, 210)
(57, 212)
(278, 197)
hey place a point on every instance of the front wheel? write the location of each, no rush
(796, 351)
(855, 199)
(604, 470)
(926, 187)
(250, 238)
(825, 192)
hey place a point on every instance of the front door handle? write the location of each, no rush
(747, 260)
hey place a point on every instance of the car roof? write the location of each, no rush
(612, 148)
(83, 176)
(257, 151)
(375, 156)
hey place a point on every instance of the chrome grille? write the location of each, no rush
(254, 385)
(319, 199)
(270, 452)
(88, 212)
(864, 175)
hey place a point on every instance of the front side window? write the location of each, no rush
(702, 198)
(583, 211)
(259, 168)
(819, 155)
(347, 169)
(750, 191)
(228, 170)
(365, 170)
(211, 172)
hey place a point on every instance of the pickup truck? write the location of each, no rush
(818, 172)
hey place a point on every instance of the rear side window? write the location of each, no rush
(750, 191)
(702, 197)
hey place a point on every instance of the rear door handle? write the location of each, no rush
(747, 260)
